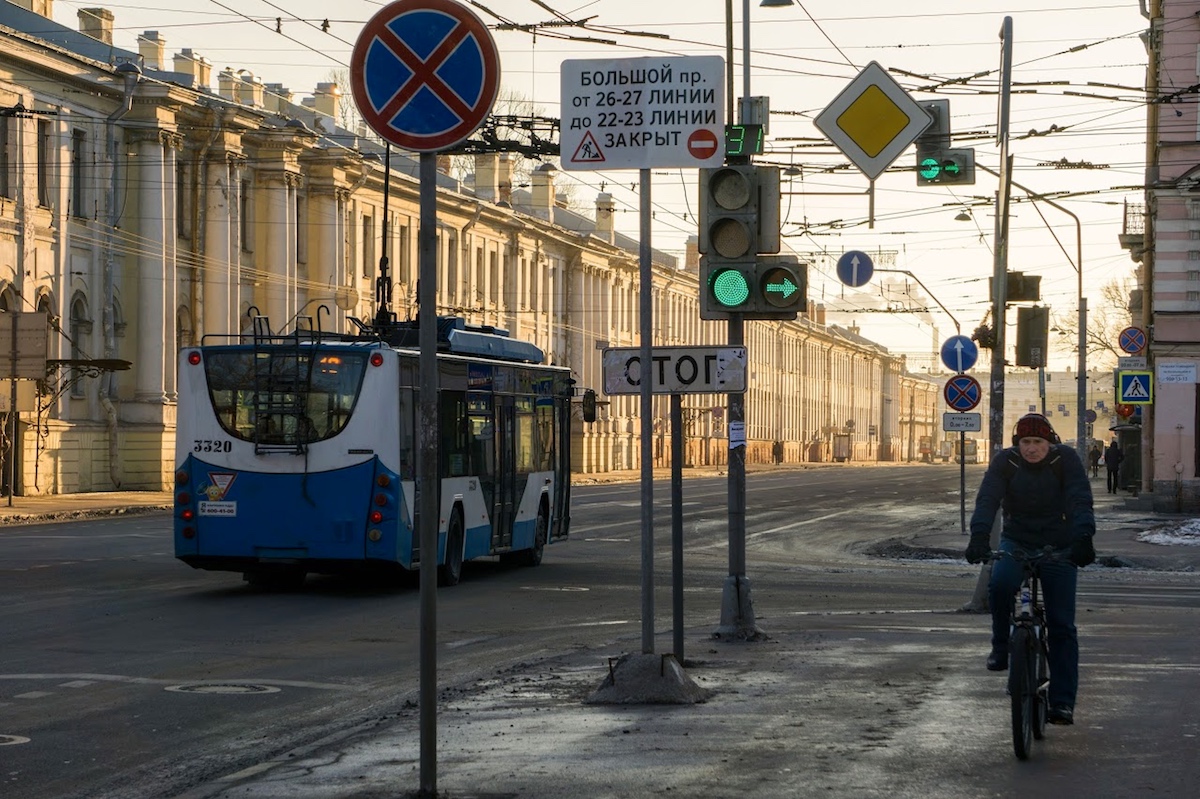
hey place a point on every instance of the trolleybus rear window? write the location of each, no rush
(284, 395)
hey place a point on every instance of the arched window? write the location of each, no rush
(185, 332)
(80, 331)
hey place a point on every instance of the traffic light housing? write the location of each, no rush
(939, 164)
(770, 287)
(739, 218)
(1033, 331)
(739, 210)
(952, 166)
(1020, 287)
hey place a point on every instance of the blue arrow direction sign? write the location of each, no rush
(962, 392)
(855, 268)
(959, 353)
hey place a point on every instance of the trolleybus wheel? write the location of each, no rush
(450, 572)
(533, 557)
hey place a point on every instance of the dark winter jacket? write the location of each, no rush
(1043, 504)
(1113, 457)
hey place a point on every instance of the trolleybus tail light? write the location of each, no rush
(181, 477)
(383, 481)
(376, 517)
(188, 514)
(194, 358)
(189, 532)
(376, 359)
(184, 498)
(381, 499)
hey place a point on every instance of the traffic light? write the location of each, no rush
(739, 210)
(938, 163)
(782, 287)
(589, 405)
(1020, 287)
(739, 218)
(771, 287)
(954, 166)
(1033, 326)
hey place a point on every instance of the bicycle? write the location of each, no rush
(1028, 654)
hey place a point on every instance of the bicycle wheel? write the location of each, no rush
(1041, 701)
(1022, 690)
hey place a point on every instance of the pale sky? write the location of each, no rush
(1078, 71)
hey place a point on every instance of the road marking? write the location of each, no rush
(320, 686)
(33, 695)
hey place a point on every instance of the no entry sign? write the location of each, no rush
(424, 73)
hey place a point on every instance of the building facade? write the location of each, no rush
(1164, 238)
(142, 210)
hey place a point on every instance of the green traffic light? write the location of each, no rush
(929, 168)
(779, 287)
(729, 288)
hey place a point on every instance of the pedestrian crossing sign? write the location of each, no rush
(1136, 388)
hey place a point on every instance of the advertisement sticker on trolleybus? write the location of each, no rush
(217, 508)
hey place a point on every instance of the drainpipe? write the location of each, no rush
(132, 75)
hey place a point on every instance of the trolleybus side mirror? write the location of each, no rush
(589, 405)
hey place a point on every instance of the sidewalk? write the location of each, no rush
(62, 507)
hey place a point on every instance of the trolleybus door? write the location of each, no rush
(505, 503)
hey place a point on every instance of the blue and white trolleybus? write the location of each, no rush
(297, 453)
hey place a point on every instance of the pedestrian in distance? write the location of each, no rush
(1094, 458)
(1112, 462)
(1046, 499)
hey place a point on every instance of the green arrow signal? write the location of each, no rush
(787, 288)
(951, 167)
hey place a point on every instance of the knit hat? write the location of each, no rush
(1034, 425)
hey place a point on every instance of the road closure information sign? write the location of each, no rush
(643, 113)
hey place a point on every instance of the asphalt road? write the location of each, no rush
(126, 674)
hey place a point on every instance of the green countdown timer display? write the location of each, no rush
(730, 288)
(743, 141)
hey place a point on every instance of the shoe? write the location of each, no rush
(997, 662)
(1061, 714)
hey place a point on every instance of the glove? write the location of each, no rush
(1082, 552)
(978, 549)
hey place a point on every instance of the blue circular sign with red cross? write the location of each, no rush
(962, 392)
(424, 74)
(1132, 340)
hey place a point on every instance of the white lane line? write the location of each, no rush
(33, 695)
(321, 686)
(78, 684)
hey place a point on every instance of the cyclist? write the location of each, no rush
(1047, 501)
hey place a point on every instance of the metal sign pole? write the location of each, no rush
(677, 521)
(427, 479)
(645, 309)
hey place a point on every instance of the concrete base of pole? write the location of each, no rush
(979, 601)
(647, 679)
(737, 612)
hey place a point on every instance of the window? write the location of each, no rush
(44, 165)
(6, 161)
(275, 397)
(78, 165)
(244, 206)
(368, 245)
(81, 333)
(301, 228)
(183, 199)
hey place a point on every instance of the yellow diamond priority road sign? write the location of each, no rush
(873, 120)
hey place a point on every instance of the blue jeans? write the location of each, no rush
(1058, 580)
